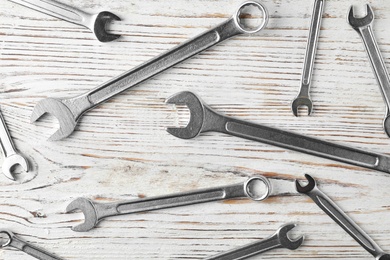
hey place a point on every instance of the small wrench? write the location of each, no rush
(11, 156)
(69, 111)
(364, 28)
(279, 240)
(330, 208)
(303, 98)
(17, 243)
(94, 212)
(94, 22)
(204, 119)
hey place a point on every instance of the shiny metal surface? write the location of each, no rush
(204, 119)
(95, 212)
(94, 22)
(69, 111)
(344, 221)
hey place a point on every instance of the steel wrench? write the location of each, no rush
(11, 156)
(94, 22)
(330, 208)
(69, 111)
(303, 98)
(17, 243)
(363, 27)
(94, 212)
(279, 240)
(204, 119)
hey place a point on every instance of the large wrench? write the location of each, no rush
(69, 111)
(204, 119)
(17, 243)
(303, 98)
(94, 212)
(363, 27)
(11, 156)
(94, 22)
(330, 208)
(279, 240)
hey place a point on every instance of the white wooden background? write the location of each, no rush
(121, 150)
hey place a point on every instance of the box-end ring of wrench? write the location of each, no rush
(94, 212)
(364, 29)
(68, 111)
(25, 247)
(204, 119)
(342, 219)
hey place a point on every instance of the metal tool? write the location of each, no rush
(95, 22)
(204, 119)
(303, 98)
(11, 156)
(279, 240)
(69, 111)
(330, 208)
(17, 243)
(363, 27)
(94, 212)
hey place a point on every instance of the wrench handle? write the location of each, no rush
(248, 250)
(7, 145)
(31, 250)
(344, 221)
(306, 144)
(56, 9)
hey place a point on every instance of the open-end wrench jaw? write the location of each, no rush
(90, 214)
(285, 240)
(309, 187)
(302, 102)
(11, 161)
(359, 22)
(99, 27)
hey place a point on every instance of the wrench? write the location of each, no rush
(279, 240)
(204, 119)
(94, 22)
(303, 98)
(11, 156)
(364, 28)
(330, 208)
(69, 111)
(94, 212)
(17, 243)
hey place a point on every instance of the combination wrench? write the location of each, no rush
(69, 111)
(364, 29)
(256, 188)
(344, 221)
(27, 248)
(11, 156)
(204, 119)
(94, 22)
(278, 240)
(303, 98)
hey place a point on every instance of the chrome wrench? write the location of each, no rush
(94, 22)
(364, 29)
(204, 119)
(344, 221)
(279, 240)
(29, 249)
(95, 212)
(69, 111)
(303, 98)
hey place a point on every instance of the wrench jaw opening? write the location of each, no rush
(240, 14)
(99, 27)
(90, 215)
(301, 102)
(284, 239)
(195, 105)
(309, 187)
(358, 23)
(12, 161)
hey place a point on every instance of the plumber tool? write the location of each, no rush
(330, 208)
(94, 22)
(364, 29)
(303, 98)
(11, 156)
(204, 119)
(279, 240)
(29, 249)
(94, 212)
(69, 111)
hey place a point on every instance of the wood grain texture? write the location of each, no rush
(120, 150)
